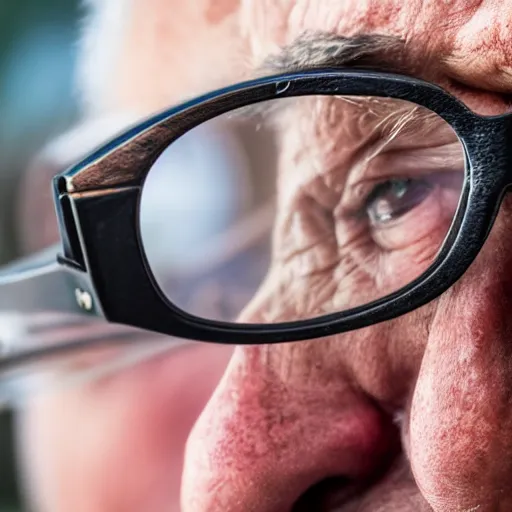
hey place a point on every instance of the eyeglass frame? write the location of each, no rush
(100, 269)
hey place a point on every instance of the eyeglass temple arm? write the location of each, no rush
(42, 283)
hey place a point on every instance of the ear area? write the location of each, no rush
(165, 51)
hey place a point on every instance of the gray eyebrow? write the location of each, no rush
(325, 50)
(322, 50)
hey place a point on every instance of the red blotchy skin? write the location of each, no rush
(465, 385)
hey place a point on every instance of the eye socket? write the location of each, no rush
(394, 198)
(366, 191)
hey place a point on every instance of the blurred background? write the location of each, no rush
(37, 102)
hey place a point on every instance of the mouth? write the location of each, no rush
(394, 490)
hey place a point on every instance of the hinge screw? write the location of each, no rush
(83, 299)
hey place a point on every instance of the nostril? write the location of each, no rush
(333, 493)
(327, 495)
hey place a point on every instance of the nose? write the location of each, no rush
(288, 417)
(276, 426)
(460, 427)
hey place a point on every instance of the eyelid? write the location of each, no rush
(398, 164)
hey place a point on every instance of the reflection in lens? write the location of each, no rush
(367, 189)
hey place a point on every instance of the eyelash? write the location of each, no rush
(360, 211)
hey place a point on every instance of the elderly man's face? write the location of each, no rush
(413, 414)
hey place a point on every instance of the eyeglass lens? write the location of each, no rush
(299, 207)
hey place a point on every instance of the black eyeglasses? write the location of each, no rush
(388, 187)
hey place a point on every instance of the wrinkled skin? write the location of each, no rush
(413, 414)
(286, 417)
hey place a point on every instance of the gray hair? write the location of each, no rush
(326, 50)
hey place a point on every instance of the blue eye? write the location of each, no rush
(394, 198)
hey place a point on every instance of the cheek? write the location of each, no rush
(118, 444)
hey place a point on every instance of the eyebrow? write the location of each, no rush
(325, 50)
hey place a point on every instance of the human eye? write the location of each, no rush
(370, 189)
(394, 198)
(413, 213)
(396, 210)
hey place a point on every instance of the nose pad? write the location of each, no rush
(271, 432)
